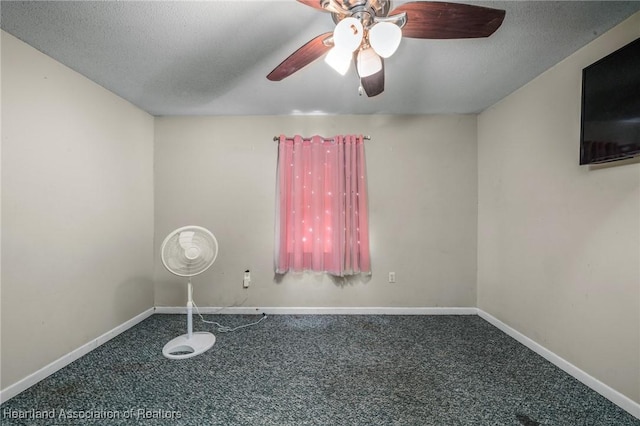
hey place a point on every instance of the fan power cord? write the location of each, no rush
(225, 329)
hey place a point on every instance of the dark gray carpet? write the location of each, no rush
(317, 370)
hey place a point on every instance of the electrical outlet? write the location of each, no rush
(247, 279)
(392, 277)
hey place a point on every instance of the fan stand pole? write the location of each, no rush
(189, 309)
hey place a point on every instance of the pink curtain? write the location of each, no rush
(322, 222)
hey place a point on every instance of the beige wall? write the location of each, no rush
(559, 243)
(219, 172)
(77, 210)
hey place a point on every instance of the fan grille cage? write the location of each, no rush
(189, 251)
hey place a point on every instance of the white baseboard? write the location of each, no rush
(21, 385)
(611, 394)
(239, 310)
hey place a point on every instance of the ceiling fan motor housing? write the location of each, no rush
(363, 10)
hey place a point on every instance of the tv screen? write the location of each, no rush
(610, 128)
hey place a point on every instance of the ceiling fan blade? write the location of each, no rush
(440, 20)
(302, 57)
(374, 84)
(318, 4)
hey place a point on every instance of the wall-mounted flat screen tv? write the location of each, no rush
(610, 128)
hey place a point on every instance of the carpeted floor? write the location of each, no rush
(316, 370)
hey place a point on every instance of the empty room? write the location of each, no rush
(320, 212)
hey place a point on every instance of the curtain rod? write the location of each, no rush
(366, 137)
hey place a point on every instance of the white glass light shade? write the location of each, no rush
(369, 62)
(348, 34)
(385, 38)
(339, 59)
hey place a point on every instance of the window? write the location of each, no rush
(321, 216)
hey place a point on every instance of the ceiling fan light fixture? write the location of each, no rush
(339, 59)
(385, 38)
(348, 34)
(369, 62)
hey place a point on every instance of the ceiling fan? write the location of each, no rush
(367, 32)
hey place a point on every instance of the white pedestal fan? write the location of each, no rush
(186, 252)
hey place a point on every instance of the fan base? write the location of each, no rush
(183, 347)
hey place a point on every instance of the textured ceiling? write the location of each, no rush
(212, 57)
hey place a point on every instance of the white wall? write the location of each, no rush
(219, 172)
(77, 210)
(559, 243)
